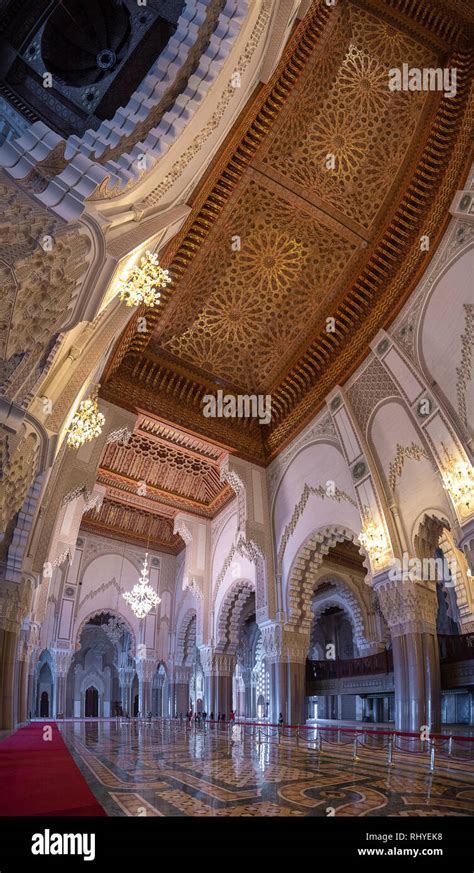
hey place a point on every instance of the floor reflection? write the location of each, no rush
(166, 769)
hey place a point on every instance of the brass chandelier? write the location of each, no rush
(86, 423)
(458, 480)
(143, 282)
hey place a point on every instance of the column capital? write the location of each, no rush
(409, 606)
(146, 668)
(126, 676)
(216, 663)
(15, 598)
(281, 644)
(61, 659)
(182, 675)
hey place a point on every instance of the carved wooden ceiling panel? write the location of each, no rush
(150, 477)
(313, 210)
(342, 106)
(120, 521)
(244, 324)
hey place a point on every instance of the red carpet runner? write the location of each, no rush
(39, 777)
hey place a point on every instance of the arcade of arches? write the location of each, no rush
(313, 565)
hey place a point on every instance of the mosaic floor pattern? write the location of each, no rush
(169, 771)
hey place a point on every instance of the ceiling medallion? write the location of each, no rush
(142, 598)
(359, 470)
(382, 346)
(86, 423)
(142, 284)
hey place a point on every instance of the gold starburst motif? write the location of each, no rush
(363, 82)
(271, 259)
(233, 315)
(385, 41)
(336, 134)
(204, 352)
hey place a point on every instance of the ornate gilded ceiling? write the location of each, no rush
(150, 477)
(313, 210)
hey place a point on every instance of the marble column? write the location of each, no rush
(210, 693)
(146, 668)
(24, 687)
(286, 654)
(31, 702)
(244, 706)
(15, 599)
(126, 674)
(61, 659)
(8, 650)
(224, 667)
(182, 676)
(288, 691)
(410, 608)
(158, 694)
(172, 699)
(218, 669)
(241, 700)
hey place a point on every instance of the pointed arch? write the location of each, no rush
(302, 576)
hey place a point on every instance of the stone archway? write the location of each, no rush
(186, 639)
(302, 576)
(332, 589)
(434, 542)
(230, 613)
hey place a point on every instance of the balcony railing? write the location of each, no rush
(382, 662)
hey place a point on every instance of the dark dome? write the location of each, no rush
(83, 42)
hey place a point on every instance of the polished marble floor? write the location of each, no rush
(167, 770)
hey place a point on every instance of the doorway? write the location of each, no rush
(44, 705)
(92, 703)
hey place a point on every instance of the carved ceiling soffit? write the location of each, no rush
(122, 521)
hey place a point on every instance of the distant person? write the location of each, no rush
(280, 719)
(232, 715)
